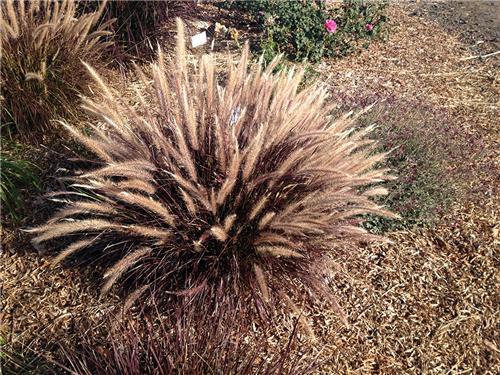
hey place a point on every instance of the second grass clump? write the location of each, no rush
(42, 75)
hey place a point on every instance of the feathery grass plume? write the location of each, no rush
(253, 187)
(42, 45)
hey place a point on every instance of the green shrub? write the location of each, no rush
(16, 175)
(42, 76)
(218, 196)
(298, 29)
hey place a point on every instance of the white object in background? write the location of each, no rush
(199, 39)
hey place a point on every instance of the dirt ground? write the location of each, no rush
(476, 22)
(426, 304)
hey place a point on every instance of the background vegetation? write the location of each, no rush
(137, 24)
(297, 28)
(426, 152)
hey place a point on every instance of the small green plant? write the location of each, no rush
(310, 29)
(42, 75)
(16, 175)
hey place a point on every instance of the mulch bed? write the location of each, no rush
(428, 303)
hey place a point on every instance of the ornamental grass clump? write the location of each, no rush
(219, 195)
(42, 45)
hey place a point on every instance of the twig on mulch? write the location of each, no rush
(480, 56)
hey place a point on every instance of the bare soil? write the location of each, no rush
(477, 22)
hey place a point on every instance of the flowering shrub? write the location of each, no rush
(308, 29)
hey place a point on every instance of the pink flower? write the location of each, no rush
(330, 26)
(369, 27)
